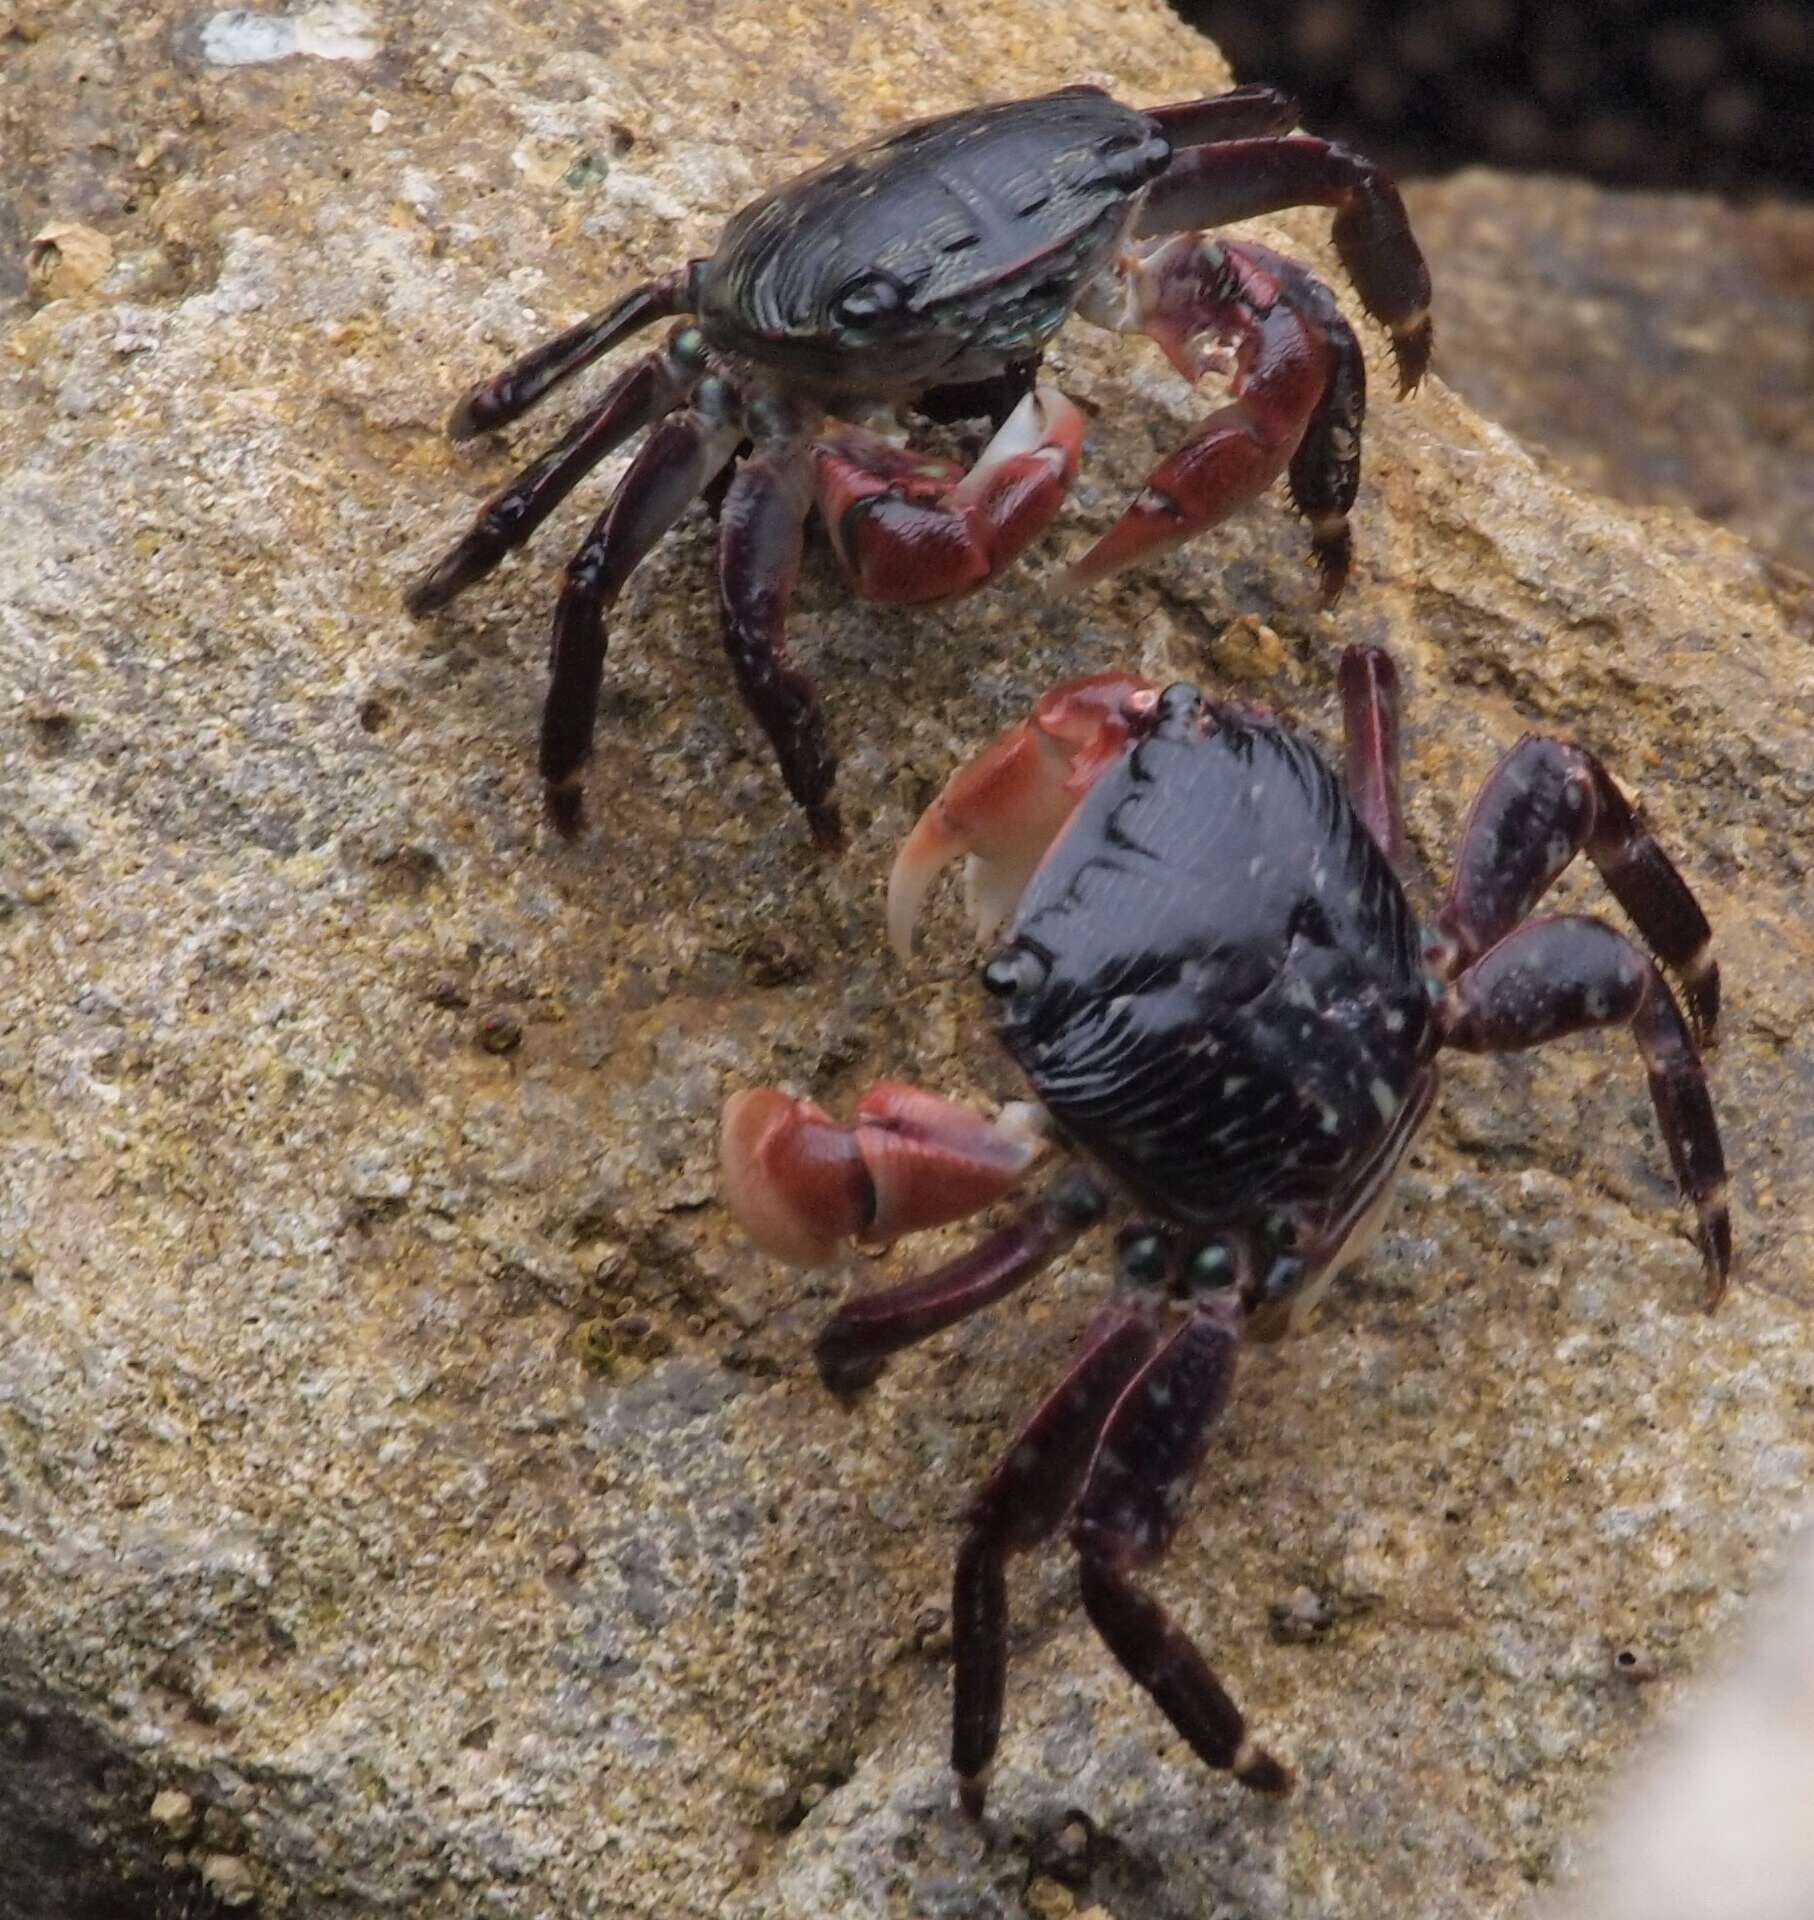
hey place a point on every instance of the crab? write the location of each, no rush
(931, 268)
(1229, 1018)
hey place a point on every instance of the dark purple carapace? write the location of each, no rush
(937, 255)
(929, 270)
(1230, 1019)
(1214, 984)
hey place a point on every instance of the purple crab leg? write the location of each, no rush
(1025, 1502)
(1243, 113)
(1210, 186)
(1324, 475)
(670, 469)
(1569, 974)
(1369, 688)
(761, 529)
(642, 394)
(1544, 803)
(1151, 1447)
(509, 395)
(864, 1332)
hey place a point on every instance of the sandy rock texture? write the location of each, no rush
(401, 1462)
(1661, 345)
(1716, 1827)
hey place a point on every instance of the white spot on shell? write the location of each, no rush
(1383, 1098)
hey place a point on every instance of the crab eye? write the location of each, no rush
(867, 301)
(1140, 1256)
(1212, 1268)
(1012, 972)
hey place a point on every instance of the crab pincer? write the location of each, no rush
(1001, 810)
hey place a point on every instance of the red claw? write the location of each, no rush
(801, 1184)
(792, 1176)
(912, 529)
(1006, 806)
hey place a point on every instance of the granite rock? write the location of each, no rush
(400, 1457)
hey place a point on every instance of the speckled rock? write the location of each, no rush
(1716, 1827)
(1661, 345)
(399, 1455)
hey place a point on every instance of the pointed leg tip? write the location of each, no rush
(845, 1379)
(1412, 345)
(1716, 1248)
(421, 599)
(827, 826)
(972, 1794)
(564, 806)
(1331, 555)
(447, 579)
(468, 420)
(1254, 1767)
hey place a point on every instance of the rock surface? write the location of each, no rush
(1661, 345)
(1716, 1828)
(399, 1456)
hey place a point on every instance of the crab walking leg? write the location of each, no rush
(761, 529)
(1324, 475)
(1543, 804)
(507, 396)
(1243, 113)
(1569, 974)
(909, 529)
(1025, 1502)
(1193, 296)
(1369, 689)
(864, 1332)
(669, 470)
(641, 395)
(1214, 185)
(1151, 1447)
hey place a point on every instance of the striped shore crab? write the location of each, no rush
(1229, 1017)
(929, 269)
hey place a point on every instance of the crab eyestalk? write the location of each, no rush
(801, 1185)
(1004, 808)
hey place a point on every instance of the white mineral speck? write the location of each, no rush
(241, 38)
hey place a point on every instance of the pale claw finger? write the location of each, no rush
(1005, 807)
